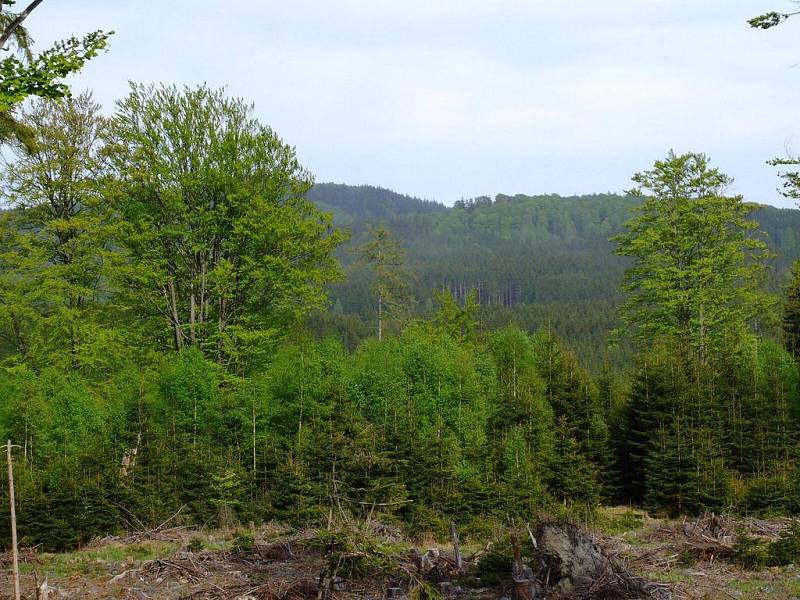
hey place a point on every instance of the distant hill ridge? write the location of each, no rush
(525, 217)
(533, 259)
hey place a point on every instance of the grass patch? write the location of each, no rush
(94, 562)
(616, 522)
(674, 576)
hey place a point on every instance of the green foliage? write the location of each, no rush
(37, 75)
(351, 553)
(425, 591)
(769, 20)
(532, 261)
(225, 490)
(386, 259)
(455, 319)
(750, 552)
(494, 567)
(56, 252)
(195, 545)
(574, 477)
(224, 247)
(791, 313)
(41, 75)
(697, 266)
(786, 549)
(616, 524)
(790, 176)
(754, 553)
(710, 403)
(244, 540)
(155, 269)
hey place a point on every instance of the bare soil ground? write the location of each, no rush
(691, 559)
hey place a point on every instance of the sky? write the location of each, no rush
(449, 99)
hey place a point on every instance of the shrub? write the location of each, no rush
(425, 591)
(494, 567)
(195, 545)
(244, 540)
(786, 549)
(750, 552)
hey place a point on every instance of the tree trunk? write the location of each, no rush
(15, 555)
(192, 316)
(220, 328)
(380, 318)
(176, 320)
(254, 436)
(456, 547)
(203, 297)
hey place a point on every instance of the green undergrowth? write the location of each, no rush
(96, 561)
(612, 521)
(754, 553)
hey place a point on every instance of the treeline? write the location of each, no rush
(157, 269)
(535, 261)
(433, 425)
(424, 427)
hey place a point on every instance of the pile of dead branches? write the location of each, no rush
(709, 537)
(620, 583)
(182, 567)
(768, 529)
(662, 558)
(435, 566)
(26, 556)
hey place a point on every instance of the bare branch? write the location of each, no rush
(9, 30)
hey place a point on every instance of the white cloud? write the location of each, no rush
(462, 97)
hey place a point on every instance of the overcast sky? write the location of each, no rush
(450, 99)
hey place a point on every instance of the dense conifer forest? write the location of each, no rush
(533, 261)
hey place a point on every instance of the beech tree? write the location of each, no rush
(56, 241)
(224, 246)
(791, 313)
(698, 262)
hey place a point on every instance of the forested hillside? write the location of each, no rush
(194, 334)
(163, 271)
(533, 260)
(156, 358)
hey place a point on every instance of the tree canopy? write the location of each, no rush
(698, 261)
(26, 73)
(223, 243)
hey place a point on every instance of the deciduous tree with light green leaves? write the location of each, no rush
(224, 247)
(790, 324)
(56, 252)
(697, 258)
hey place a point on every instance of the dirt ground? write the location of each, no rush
(690, 559)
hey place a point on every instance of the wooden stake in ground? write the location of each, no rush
(13, 519)
(456, 547)
(521, 574)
